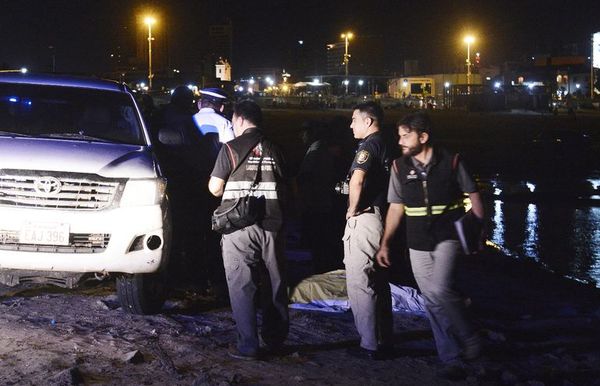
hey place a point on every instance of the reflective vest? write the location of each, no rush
(432, 202)
(270, 184)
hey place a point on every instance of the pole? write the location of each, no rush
(592, 70)
(468, 67)
(346, 61)
(150, 76)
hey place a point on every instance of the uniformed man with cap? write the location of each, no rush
(210, 119)
(368, 287)
(214, 130)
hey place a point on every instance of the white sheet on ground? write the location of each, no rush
(327, 293)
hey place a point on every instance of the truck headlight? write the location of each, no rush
(143, 192)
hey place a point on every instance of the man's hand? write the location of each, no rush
(383, 257)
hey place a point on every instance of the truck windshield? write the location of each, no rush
(69, 113)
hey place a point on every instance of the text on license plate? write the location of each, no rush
(44, 233)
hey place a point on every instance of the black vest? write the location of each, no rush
(432, 204)
(270, 186)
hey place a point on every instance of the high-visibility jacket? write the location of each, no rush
(270, 184)
(432, 202)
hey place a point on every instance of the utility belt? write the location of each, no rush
(371, 209)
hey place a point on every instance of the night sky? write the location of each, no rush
(82, 33)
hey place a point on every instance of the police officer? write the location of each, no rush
(256, 251)
(368, 287)
(214, 130)
(209, 119)
(427, 186)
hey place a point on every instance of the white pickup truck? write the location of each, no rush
(81, 192)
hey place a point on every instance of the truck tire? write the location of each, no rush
(142, 294)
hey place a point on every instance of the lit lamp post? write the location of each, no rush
(469, 39)
(149, 20)
(346, 36)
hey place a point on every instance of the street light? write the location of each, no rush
(469, 39)
(149, 20)
(347, 36)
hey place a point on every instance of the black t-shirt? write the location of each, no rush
(273, 168)
(372, 157)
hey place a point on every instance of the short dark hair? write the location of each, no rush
(248, 110)
(419, 122)
(373, 111)
(210, 103)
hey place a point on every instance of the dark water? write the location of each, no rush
(561, 233)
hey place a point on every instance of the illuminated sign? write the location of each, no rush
(596, 50)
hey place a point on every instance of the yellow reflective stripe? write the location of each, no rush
(439, 209)
(435, 209)
(417, 211)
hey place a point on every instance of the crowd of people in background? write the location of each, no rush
(346, 205)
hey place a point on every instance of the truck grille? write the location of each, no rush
(78, 243)
(47, 191)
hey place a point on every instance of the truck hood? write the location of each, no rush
(110, 160)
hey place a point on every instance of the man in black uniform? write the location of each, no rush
(368, 287)
(426, 187)
(257, 249)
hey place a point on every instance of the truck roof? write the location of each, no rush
(60, 80)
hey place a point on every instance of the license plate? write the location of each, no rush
(44, 233)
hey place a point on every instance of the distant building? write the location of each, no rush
(577, 84)
(335, 59)
(220, 38)
(435, 85)
(558, 61)
(563, 75)
(223, 70)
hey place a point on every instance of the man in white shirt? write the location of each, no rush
(209, 120)
(214, 130)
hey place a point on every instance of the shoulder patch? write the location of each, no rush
(362, 157)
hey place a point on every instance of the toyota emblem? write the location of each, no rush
(47, 185)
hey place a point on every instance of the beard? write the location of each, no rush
(411, 151)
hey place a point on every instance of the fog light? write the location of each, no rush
(137, 244)
(153, 242)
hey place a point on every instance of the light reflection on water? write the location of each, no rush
(498, 224)
(561, 237)
(531, 232)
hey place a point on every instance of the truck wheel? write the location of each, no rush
(141, 294)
